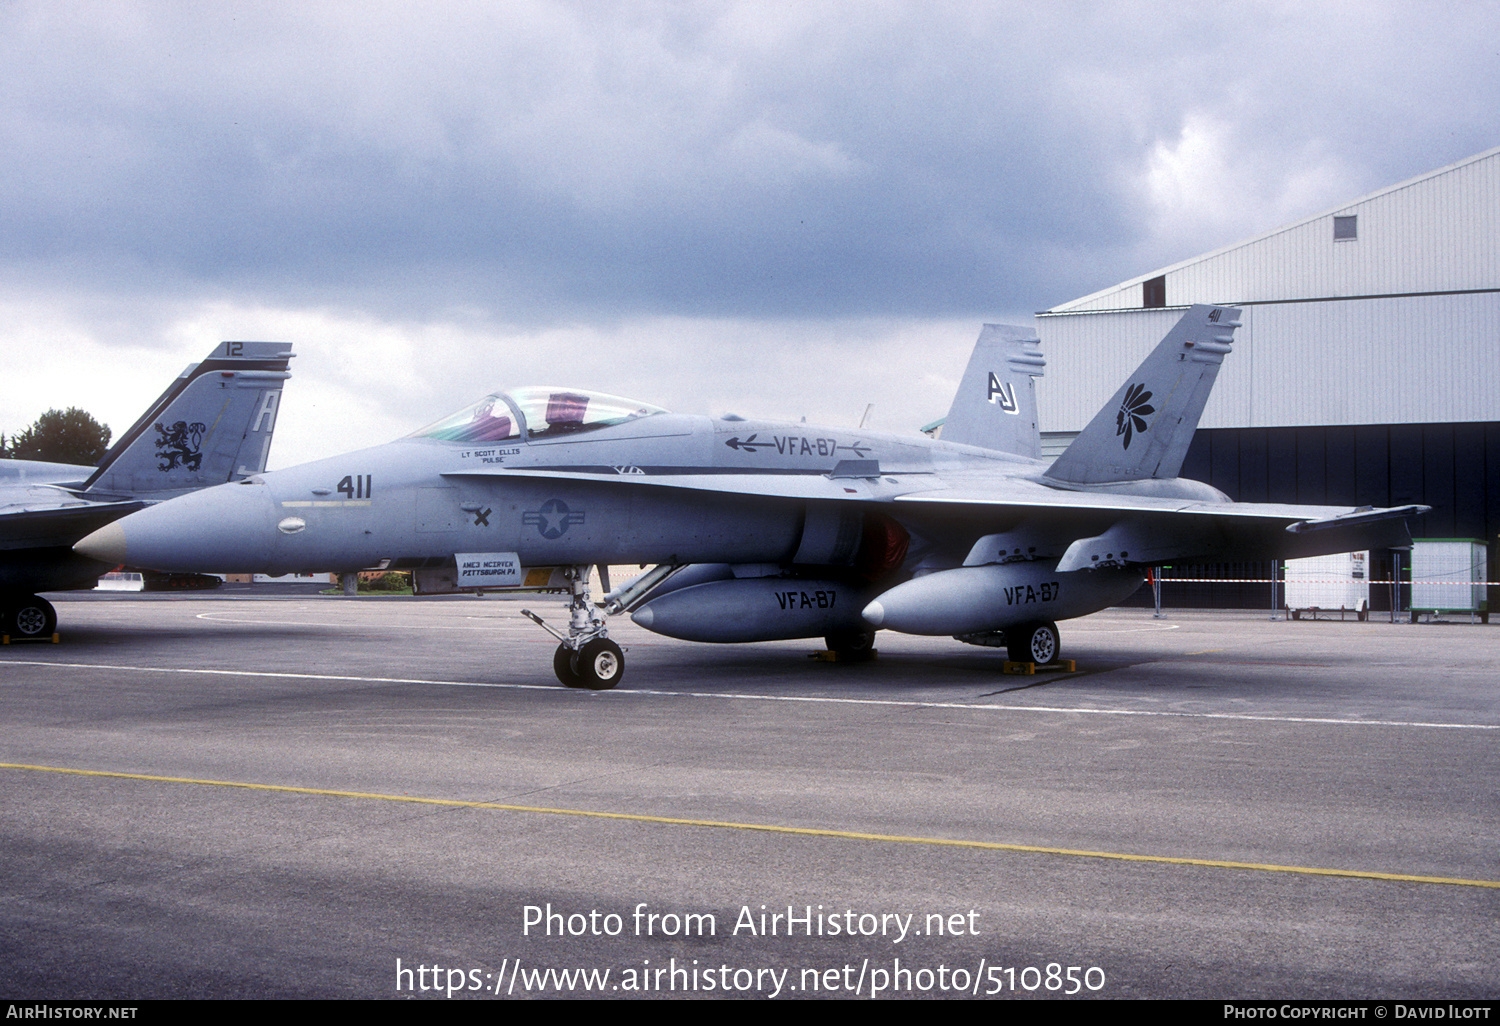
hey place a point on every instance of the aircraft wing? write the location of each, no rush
(1149, 528)
(1022, 494)
(1156, 530)
(36, 531)
(1006, 496)
(28, 519)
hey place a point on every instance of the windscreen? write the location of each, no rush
(548, 412)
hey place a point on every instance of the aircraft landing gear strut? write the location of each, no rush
(586, 658)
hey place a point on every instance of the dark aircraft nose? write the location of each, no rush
(225, 529)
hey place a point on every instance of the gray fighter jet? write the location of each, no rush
(212, 425)
(764, 531)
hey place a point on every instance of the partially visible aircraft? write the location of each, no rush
(212, 425)
(764, 531)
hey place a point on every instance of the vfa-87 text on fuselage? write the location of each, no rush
(763, 531)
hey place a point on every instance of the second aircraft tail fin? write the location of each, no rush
(995, 406)
(1145, 430)
(212, 425)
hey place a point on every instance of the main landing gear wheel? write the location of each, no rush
(30, 617)
(852, 645)
(1032, 643)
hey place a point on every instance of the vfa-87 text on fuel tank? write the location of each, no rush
(1021, 594)
(806, 599)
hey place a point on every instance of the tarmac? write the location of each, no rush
(254, 794)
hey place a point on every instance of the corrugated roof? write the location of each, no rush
(1089, 302)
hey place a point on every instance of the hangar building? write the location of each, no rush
(1366, 372)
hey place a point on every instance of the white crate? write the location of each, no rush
(1447, 575)
(1337, 582)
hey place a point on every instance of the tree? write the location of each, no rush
(62, 436)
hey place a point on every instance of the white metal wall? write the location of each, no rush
(1437, 232)
(1414, 359)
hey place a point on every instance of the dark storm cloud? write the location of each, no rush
(710, 159)
(733, 160)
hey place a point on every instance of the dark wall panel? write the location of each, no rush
(1255, 482)
(1455, 468)
(1281, 464)
(1312, 466)
(1198, 463)
(1406, 464)
(1437, 481)
(1372, 465)
(1224, 465)
(1341, 489)
(1468, 482)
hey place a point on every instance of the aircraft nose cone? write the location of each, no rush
(217, 530)
(107, 544)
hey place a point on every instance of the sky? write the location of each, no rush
(777, 209)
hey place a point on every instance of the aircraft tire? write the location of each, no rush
(600, 664)
(1032, 643)
(30, 617)
(562, 665)
(854, 645)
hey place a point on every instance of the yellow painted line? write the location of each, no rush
(773, 828)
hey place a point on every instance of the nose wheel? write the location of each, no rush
(586, 658)
(598, 665)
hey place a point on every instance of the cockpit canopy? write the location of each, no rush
(539, 412)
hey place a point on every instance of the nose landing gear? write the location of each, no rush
(586, 658)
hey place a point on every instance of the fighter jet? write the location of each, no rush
(213, 424)
(763, 531)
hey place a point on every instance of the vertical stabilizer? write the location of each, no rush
(1145, 430)
(995, 407)
(212, 425)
